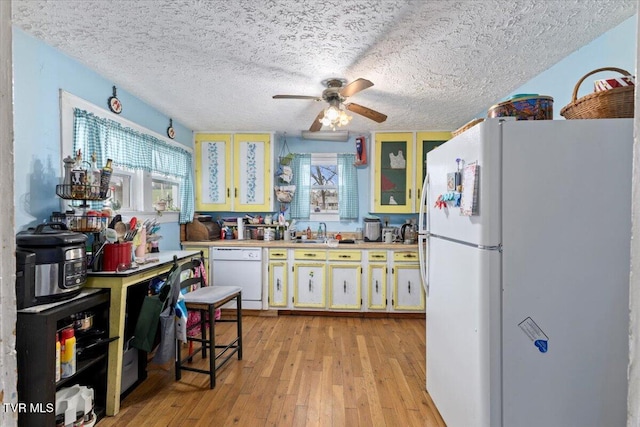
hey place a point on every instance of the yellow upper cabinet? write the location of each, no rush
(233, 172)
(425, 142)
(393, 173)
(213, 172)
(252, 172)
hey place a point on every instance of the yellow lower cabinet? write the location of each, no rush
(377, 286)
(278, 283)
(376, 280)
(309, 280)
(277, 274)
(345, 283)
(408, 294)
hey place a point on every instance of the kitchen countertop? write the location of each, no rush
(291, 244)
(159, 259)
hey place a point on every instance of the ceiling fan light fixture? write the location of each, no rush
(335, 117)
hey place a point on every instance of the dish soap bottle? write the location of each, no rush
(309, 236)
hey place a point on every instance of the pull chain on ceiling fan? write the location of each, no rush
(335, 94)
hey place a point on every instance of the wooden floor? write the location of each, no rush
(298, 371)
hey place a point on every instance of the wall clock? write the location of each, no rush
(171, 133)
(114, 103)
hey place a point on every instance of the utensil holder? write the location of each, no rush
(114, 254)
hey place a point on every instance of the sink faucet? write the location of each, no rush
(324, 232)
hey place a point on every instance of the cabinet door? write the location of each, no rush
(377, 287)
(393, 173)
(425, 142)
(408, 293)
(278, 284)
(345, 286)
(309, 284)
(252, 172)
(213, 172)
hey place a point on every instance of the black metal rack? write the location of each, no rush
(36, 347)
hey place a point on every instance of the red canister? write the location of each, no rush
(114, 254)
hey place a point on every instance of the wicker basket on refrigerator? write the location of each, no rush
(608, 104)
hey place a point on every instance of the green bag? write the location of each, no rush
(144, 336)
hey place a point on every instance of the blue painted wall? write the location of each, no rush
(39, 72)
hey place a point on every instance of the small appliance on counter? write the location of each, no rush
(51, 264)
(372, 229)
(390, 234)
(408, 233)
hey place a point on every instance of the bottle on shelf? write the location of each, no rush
(95, 177)
(57, 357)
(105, 178)
(78, 178)
(68, 353)
(69, 163)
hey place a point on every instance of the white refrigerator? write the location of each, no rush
(527, 280)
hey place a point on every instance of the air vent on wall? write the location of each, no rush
(330, 135)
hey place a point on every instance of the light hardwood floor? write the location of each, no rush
(298, 371)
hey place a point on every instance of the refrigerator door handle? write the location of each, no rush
(424, 199)
(422, 256)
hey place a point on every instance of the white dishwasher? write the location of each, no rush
(239, 267)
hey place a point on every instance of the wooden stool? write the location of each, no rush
(207, 300)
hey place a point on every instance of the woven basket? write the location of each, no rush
(466, 126)
(617, 103)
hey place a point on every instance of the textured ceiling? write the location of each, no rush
(214, 65)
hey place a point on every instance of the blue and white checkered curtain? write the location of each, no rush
(347, 187)
(301, 202)
(128, 148)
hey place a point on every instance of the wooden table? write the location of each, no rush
(118, 283)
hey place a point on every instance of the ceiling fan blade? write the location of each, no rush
(315, 98)
(316, 125)
(355, 87)
(366, 112)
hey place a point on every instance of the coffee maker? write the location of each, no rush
(408, 233)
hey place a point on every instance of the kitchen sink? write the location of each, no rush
(307, 241)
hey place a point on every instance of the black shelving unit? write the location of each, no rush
(36, 347)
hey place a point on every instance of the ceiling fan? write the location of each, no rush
(335, 94)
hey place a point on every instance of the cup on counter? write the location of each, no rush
(388, 237)
(359, 235)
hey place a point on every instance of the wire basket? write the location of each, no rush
(616, 103)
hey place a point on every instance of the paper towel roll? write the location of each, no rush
(240, 229)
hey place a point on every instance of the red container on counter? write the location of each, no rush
(114, 254)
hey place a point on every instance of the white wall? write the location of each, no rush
(633, 401)
(8, 375)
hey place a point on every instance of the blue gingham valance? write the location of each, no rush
(131, 149)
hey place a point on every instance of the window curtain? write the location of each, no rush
(128, 148)
(301, 203)
(347, 187)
